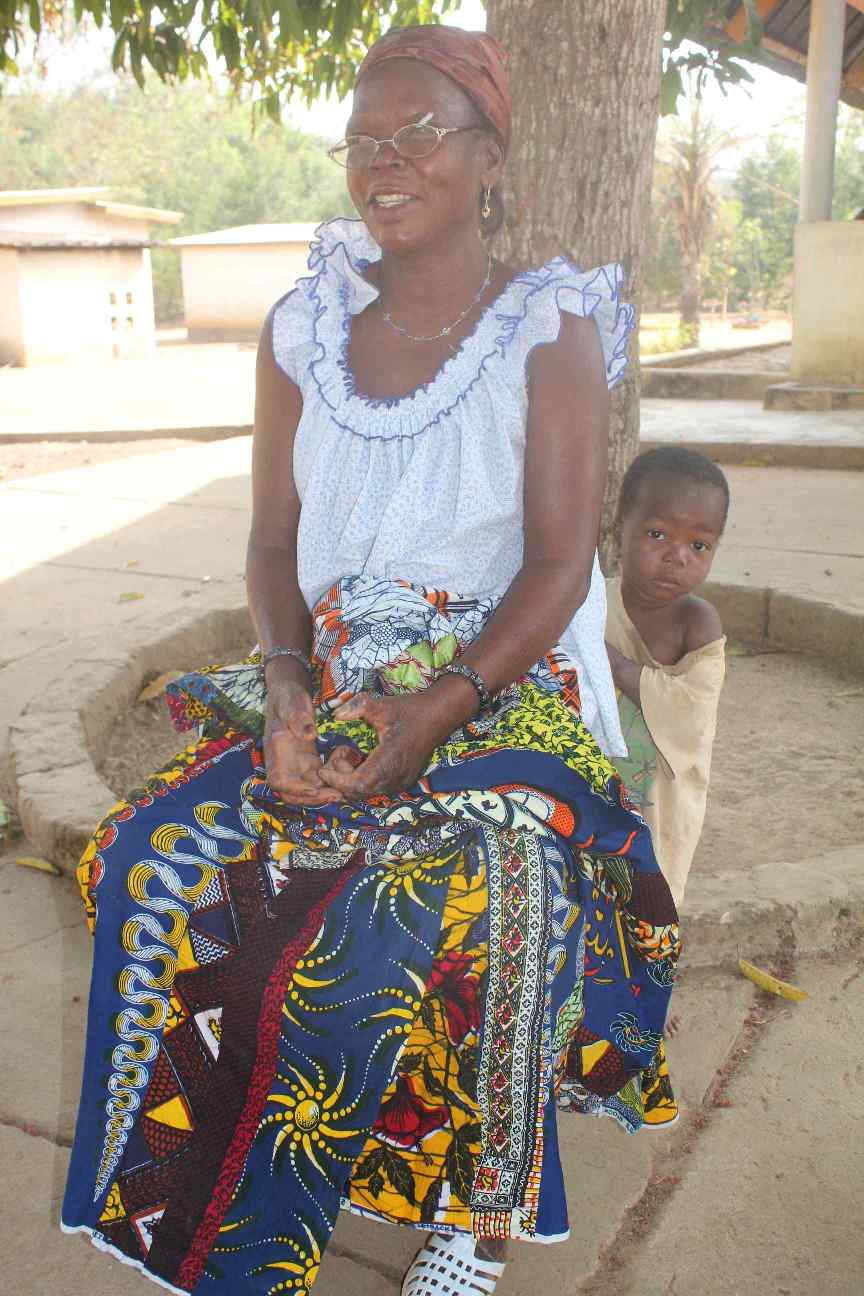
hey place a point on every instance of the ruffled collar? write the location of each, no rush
(340, 253)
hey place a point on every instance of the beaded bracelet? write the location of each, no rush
(273, 653)
(473, 677)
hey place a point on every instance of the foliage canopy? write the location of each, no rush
(279, 49)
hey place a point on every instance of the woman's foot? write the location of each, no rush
(455, 1266)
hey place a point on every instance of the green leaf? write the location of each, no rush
(118, 54)
(291, 24)
(229, 44)
(755, 25)
(671, 90)
(342, 22)
(136, 62)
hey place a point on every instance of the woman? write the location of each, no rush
(356, 966)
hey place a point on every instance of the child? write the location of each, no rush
(666, 647)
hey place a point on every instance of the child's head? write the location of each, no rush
(671, 513)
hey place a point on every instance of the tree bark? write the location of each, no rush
(586, 96)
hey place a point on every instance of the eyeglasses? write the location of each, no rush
(416, 140)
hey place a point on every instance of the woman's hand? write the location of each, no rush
(290, 754)
(409, 728)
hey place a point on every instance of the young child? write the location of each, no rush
(666, 650)
(666, 646)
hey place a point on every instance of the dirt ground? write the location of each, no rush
(33, 458)
(788, 775)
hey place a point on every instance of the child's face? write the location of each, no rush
(669, 538)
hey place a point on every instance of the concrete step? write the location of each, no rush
(706, 384)
(813, 396)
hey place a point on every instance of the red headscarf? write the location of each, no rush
(473, 60)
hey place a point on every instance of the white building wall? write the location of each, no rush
(228, 290)
(73, 220)
(11, 330)
(828, 306)
(85, 302)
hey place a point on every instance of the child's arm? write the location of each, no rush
(625, 673)
(702, 626)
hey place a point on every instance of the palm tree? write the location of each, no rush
(688, 150)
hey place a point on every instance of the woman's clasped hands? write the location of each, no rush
(409, 727)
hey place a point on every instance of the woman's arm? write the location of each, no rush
(566, 458)
(277, 606)
(278, 609)
(565, 477)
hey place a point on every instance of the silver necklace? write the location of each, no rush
(433, 337)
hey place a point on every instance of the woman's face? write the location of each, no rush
(430, 198)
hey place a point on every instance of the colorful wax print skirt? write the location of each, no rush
(373, 1006)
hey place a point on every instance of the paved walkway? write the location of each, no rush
(746, 423)
(712, 1208)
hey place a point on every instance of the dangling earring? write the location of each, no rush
(486, 209)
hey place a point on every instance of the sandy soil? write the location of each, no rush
(32, 458)
(788, 771)
(788, 777)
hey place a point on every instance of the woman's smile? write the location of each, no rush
(388, 205)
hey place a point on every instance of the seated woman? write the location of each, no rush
(354, 944)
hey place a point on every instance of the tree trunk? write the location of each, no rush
(586, 97)
(691, 295)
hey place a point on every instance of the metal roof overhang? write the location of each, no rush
(786, 28)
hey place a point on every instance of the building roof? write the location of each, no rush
(786, 28)
(92, 196)
(59, 242)
(247, 235)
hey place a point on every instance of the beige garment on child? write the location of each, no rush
(679, 710)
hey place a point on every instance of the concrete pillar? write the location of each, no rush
(824, 70)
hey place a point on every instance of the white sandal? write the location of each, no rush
(447, 1266)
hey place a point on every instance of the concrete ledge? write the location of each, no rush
(819, 627)
(807, 907)
(696, 355)
(806, 396)
(61, 796)
(706, 384)
(772, 454)
(813, 906)
(123, 435)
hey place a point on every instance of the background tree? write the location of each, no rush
(719, 275)
(586, 101)
(185, 147)
(766, 187)
(849, 180)
(687, 159)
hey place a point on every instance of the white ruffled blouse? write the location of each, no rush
(428, 487)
